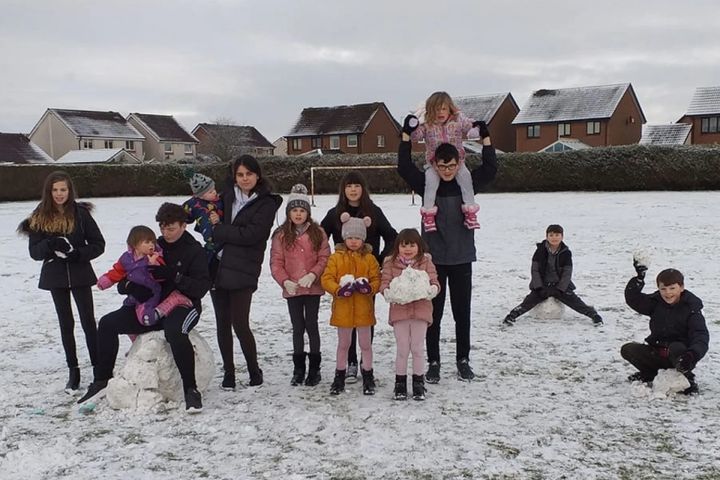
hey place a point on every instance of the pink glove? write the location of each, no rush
(362, 285)
(104, 282)
(346, 290)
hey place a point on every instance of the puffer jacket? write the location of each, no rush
(452, 131)
(74, 271)
(356, 310)
(563, 267)
(419, 309)
(297, 261)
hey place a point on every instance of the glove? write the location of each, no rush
(139, 292)
(685, 362)
(410, 124)
(346, 290)
(307, 280)
(362, 285)
(59, 244)
(640, 269)
(162, 272)
(482, 128)
(290, 286)
(433, 291)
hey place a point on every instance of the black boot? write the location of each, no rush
(256, 378)
(228, 382)
(298, 376)
(313, 377)
(400, 387)
(368, 382)
(73, 384)
(93, 390)
(693, 388)
(338, 384)
(418, 387)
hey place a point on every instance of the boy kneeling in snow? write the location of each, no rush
(678, 335)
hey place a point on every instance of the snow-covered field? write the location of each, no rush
(551, 399)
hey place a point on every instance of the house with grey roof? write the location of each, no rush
(17, 148)
(58, 131)
(704, 115)
(226, 141)
(98, 155)
(671, 134)
(498, 111)
(360, 128)
(597, 116)
(166, 139)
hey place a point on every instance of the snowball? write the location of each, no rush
(346, 279)
(550, 309)
(149, 379)
(669, 381)
(642, 257)
(409, 286)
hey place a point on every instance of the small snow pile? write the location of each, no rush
(150, 377)
(409, 286)
(669, 381)
(550, 309)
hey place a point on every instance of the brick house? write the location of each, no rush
(166, 139)
(17, 148)
(672, 134)
(361, 128)
(596, 116)
(225, 141)
(498, 111)
(704, 115)
(58, 131)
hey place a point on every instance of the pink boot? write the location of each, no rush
(470, 212)
(428, 219)
(175, 299)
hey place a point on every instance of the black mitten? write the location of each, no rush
(410, 124)
(139, 292)
(685, 362)
(640, 269)
(59, 244)
(162, 272)
(482, 128)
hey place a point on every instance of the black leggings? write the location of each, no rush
(458, 280)
(304, 317)
(84, 303)
(232, 312)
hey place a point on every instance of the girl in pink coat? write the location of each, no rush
(298, 255)
(410, 306)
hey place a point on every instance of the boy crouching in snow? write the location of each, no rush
(678, 335)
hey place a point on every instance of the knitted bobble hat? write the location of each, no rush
(353, 227)
(298, 198)
(200, 184)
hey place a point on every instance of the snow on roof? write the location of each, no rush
(568, 104)
(99, 155)
(342, 119)
(565, 144)
(17, 148)
(672, 134)
(241, 135)
(705, 101)
(165, 128)
(86, 123)
(481, 107)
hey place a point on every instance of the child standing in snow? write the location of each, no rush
(445, 124)
(298, 255)
(135, 266)
(410, 307)
(352, 277)
(205, 200)
(551, 276)
(678, 336)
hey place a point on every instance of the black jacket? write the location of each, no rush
(76, 270)
(187, 256)
(379, 228)
(563, 267)
(244, 239)
(680, 322)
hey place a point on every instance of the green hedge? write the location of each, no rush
(614, 168)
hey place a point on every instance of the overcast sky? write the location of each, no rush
(259, 63)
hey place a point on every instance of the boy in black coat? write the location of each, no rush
(551, 276)
(678, 335)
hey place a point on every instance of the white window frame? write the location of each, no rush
(188, 149)
(381, 141)
(352, 141)
(563, 129)
(108, 144)
(593, 128)
(88, 144)
(334, 142)
(130, 145)
(297, 144)
(168, 148)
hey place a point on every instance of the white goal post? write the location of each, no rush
(346, 167)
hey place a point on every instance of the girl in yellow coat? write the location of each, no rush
(352, 277)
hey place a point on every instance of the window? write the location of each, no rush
(316, 142)
(381, 141)
(533, 131)
(334, 142)
(87, 143)
(188, 149)
(130, 145)
(108, 144)
(297, 143)
(352, 141)
(563, 129)
(593, 128)
(168, 148)
(710, 125)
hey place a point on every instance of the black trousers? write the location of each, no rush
(648, 360)
(569, 298)
(232, 312)
(176, 325)
(86, 311)
(457, 279)
(303, 311)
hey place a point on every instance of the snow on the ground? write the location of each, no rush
(551, 400)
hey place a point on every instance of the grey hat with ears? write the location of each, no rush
(353, 227)
(200, 184)
(298, 198)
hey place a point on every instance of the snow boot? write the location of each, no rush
(433, 372)
(470, 214)
(428, 219)
(418, 387)
(298, 376)
(400, 387)
(73, 384)
(338, 384)
(313, 376)
(368, 382)
(256, 377)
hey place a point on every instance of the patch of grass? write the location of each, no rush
(508, 451)
(133, 439)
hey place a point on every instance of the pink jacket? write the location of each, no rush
(451, 131)
(298, 260)
(419, 309)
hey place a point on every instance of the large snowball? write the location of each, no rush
(409, 286)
